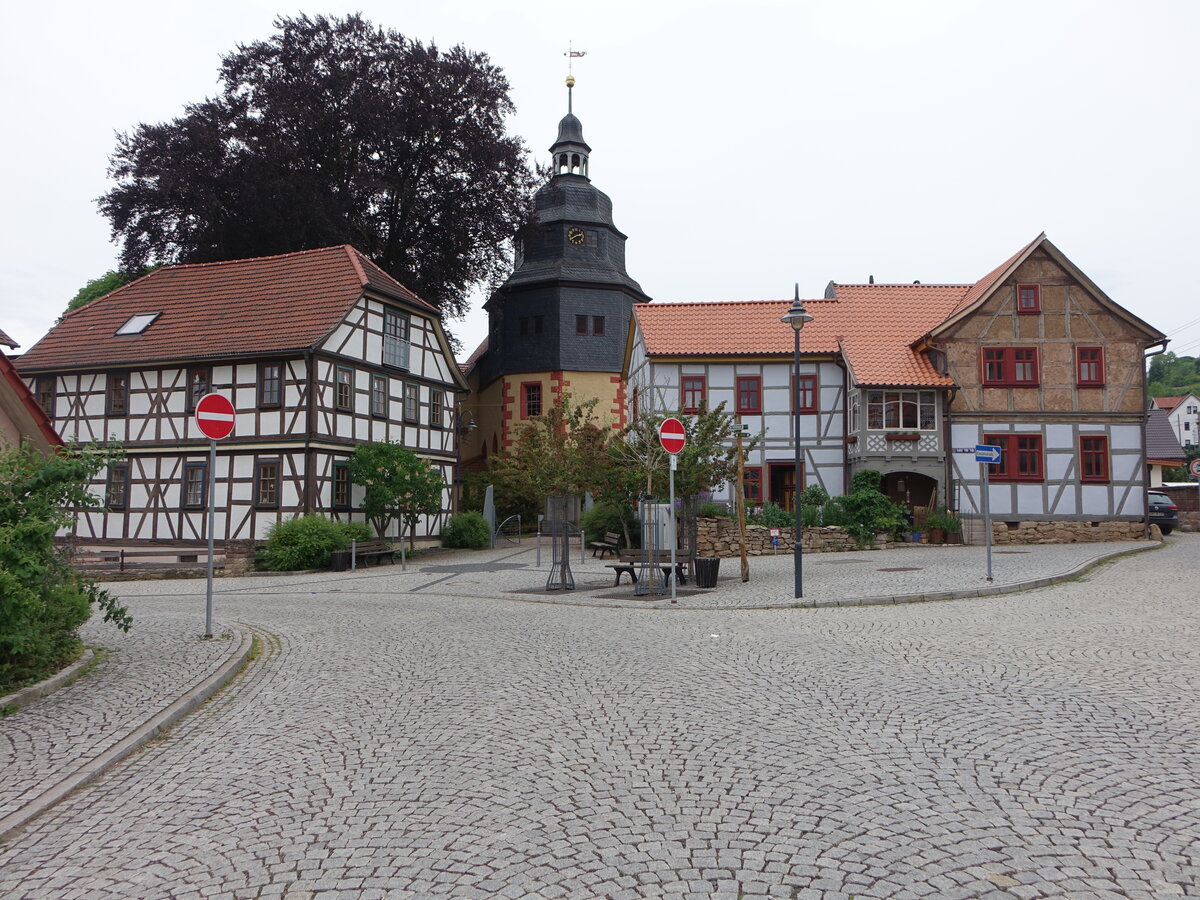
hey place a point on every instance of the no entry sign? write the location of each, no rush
(214, 416)
(671, 435)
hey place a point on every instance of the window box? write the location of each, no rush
(852, 439)
(901, 436)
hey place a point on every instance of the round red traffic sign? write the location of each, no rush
(671, 435)
(214, 416)
(1194, 467)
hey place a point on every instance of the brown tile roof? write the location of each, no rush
(466, 367)
(268, 304)
(1162, 446)
(874, 325)
(1167, 404)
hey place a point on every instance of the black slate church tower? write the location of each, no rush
(559, 323)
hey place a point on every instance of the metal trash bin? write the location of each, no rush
(706, 571)
(339, 560)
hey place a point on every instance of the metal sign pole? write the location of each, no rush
(987, 516)
(674, 538)
(212, 517)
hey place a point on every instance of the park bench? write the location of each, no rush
(365, 551)
(610, 544)
(632, 560)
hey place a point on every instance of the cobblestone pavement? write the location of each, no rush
(136, 675)
(421, 744)
(516, 572)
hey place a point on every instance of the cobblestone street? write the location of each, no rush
(396, 739)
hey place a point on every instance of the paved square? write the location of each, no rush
(414, 743)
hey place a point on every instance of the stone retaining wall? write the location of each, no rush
(719, 537)
(1068, 532)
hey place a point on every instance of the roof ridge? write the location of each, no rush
(353, 255)
(246, 259)
(906, 284)
(660, 304)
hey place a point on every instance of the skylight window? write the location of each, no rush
(136, 324)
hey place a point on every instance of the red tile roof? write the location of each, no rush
(874, 325)
(21, 406)
(267, 304)
(1167, 404)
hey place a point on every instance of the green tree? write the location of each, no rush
(400, 486)
(42, 602)
(105, 284)
(562, 451)
(333, 131)
(708, 458)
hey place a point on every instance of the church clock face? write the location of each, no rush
(576, 236)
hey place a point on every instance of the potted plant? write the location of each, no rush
(953, 527)
(935, 526)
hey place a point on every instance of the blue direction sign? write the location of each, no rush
(987, 453)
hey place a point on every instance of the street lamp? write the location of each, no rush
(797, 316)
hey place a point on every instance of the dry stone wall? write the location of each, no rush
(1069, 532)
(719, 537)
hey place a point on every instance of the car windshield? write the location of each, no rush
(1159, 498)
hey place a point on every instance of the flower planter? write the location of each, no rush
(936, 535)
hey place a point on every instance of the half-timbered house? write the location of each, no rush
(22, 421)
(1033, 357)
(318, 351)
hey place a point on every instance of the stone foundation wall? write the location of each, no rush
(1068, 532)
(719, 537)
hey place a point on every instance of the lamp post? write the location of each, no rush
(797, 316)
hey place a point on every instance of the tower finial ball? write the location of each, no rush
(570, 81)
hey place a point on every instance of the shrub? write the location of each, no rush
(468, 530)
(813, 495)
(356, 531)
(869, 512)
(42, 602)
(712, 510)
(810, 516)
(605, 517)
(867, 479)
(833, 513)
(774, 516)
(304, 542)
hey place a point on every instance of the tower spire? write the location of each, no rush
(570, 150)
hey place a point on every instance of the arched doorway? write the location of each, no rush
(910, 489)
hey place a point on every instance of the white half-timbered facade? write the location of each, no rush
(901, 378)
(318, 351)
(684, 357)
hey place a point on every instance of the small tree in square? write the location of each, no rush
(400, 486)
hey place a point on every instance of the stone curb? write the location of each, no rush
(25, 696)
(89, 770)
(961, 594)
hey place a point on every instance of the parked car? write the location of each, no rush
(1163, 512)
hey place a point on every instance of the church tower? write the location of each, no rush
(559, 323)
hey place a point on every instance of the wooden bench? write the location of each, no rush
(610, 544)
(632, 560)
(365, 551)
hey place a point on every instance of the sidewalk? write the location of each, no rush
(138, 684)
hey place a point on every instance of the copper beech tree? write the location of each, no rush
(333, 131)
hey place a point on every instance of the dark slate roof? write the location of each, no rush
(8, 342)
(267, 304)
(1162, 447)
(573, 199)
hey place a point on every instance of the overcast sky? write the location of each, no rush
(745, 146)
